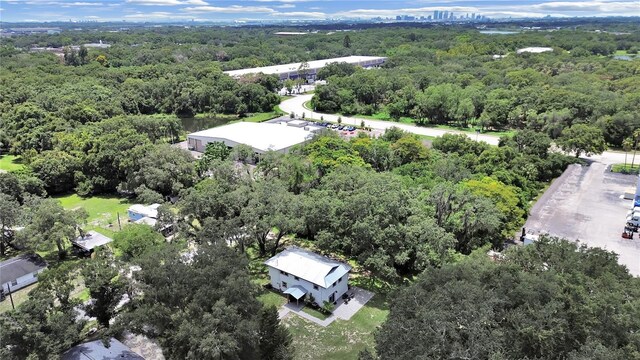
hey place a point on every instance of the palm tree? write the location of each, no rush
(636, 137)
(627, 145)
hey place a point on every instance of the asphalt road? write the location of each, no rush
(296, 105)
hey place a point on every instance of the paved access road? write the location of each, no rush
(296, 105)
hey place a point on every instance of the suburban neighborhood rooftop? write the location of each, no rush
(315, 268)
(91, 240)
(95, 350)
(16, 267)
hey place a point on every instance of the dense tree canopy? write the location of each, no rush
(550, 300)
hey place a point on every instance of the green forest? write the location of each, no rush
(414, 218)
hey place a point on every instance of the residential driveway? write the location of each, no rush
(343, 311)
(586, 205)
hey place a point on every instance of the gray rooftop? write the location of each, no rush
(95, 350)
(91, 240)
(20, 266)
(305, 264)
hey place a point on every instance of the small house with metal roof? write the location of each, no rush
(300, 273)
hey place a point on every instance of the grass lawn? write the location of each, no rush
(315, 313)
(103, 211)
(625, 169)
(340, 340)
(260, 117)
(19, 297)
(10, 163)
(270, 298)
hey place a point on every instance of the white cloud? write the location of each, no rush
(167, 2)
(285, 6)
(300, 15)
(282, 1)
(233, 9)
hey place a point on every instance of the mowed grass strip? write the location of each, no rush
(10, 163)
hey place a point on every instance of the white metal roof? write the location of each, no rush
(314, 64)
(148, 211)
(315, 268)
(91, 240)
(260, 136)
(534, 49)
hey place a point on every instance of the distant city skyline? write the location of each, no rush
(210, 10)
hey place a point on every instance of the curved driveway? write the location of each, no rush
(296, 105)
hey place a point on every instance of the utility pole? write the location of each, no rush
(10, 296)
(119, 225)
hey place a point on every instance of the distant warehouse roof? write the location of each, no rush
(262, 137)
(315, 64)
(534, 49)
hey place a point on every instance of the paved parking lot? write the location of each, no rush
(585, 204)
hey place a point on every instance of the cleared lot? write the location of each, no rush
(585, 204)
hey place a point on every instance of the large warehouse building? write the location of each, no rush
(290, 71)
(262, 137)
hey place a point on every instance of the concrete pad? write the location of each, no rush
(586, 205)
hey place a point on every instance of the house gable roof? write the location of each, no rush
(91, 240)
(307, 265)
(20, 266)
(94, 350)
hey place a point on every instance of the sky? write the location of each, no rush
(203, 10)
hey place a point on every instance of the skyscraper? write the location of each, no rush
(435, 14)
(446, 14)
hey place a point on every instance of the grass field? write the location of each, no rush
(10, 163)
(103, 211)
(625, 169)
(341, 339)
(19, 297)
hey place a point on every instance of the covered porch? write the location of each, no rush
(296, 293)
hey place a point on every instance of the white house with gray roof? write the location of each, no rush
(299, 273)
(20, 271)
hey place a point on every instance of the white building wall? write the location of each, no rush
(21, 282)
(320, 294)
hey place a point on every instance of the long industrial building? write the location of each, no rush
(290, 71)
(262, 137)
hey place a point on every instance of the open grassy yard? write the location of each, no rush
(10, 163)
(340, 340)
(19, 297)
(103, 211)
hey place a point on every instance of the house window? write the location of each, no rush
(14, 282)
(315, 287)
(340, 280)
(283, 273)
(284, 284)
(334, 284)
(297, 278)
